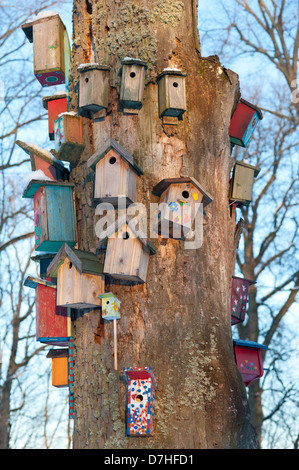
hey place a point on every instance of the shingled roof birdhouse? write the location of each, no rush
(60, 373)
(172, 95)
(241, 183)
(51, 53)
(243, 123)
(93, 90)
(132, 85)
(179, 202)
(68, 132)
(53, 323)
(55, 104)
(80, 278)
(248, 357)
(54, 214)
(116, 174)
(239, 298)
(141, 388)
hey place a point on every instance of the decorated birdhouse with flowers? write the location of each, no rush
(248, 357)
(180, 199)
(241, 183)
(132, 85)
(141, 388)
(93, 90)
(55, 104)
(244, 122)
(60, 372)
(110, 312)
(172, 95)
(239, 298)
(68, 133)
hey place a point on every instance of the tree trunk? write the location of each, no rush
(5, 415)
(178, 322)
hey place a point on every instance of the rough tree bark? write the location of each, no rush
(178, 322)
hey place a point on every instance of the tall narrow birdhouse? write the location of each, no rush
(54, 214)
(60, 376)
(127, 253)
(68, 132)
(242, 182)
(116, 174)
(249, 361)
(55, 104)
(93, 89)
(239, 298)
(243, 123)
(50, 54)
(172, 95)
(132, 85)
(53, 323)
(179, 203)
(141, 388)
(80, 278)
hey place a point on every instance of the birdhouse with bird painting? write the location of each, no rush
(116, 174)
(239, 298)
(141, 389)
(248, 357)
(244, 122)
(172, 95)
(80, 278)
(68, 133)
(54, 214)
(60, 373)
(132, 85)
(241, 183)
(55, 105)
(93, 90)
(180, 199)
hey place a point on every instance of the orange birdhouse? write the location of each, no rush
(59, 367)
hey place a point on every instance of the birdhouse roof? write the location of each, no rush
(164, 184)
(122, 152)
(33, 282)
(171, 71)
(133, 61)
(249, 344)
(255, 168)
(33, 149)
(44, 16)
(56, 96)
(256, 108)
(84, 261)
(61, 352)
(133, 373)
(92, 66)
(34, 185)
(243, 279)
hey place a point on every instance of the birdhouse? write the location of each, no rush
(132, 85)
(127, 253)
(68, 134)
(54, 214)
(43, 160)
(239, 298)
(110, 306)
(179, 203)
(44, 259)
(242, 182)
(249, 361)
(116, 174)
(80, 278)
(60, 377)
(53, 323)
(141, 387)
(50, 51)
(243, 123)
(172, 95)
(55, 104)
(93, 89)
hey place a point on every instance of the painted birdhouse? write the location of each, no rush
(53, 323)
(51, 54)
(93, 90)
(44, 259)
(127, 253)
(60, 377)
(249, 361)
(243, 123)
(242, 182)
(179, 202)
(55, 104)
(132, 85)
(116, 174)
(80, 278)
(172, 95)
(239, 298)
(54, 214)
(43, 160)
(68, 132)
(141, 388)
(110, 306)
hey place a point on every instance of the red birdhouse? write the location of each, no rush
(243, 123)
(249, 361)
(55, 105)
(239, 298)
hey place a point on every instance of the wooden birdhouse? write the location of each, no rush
(243, 123)
(172, 95)
(60, 376)
(249, 361)
(43, 160)
(132, 85)
(110, 311)
(179, 203)
(93, 90)
(55, 104)
(50, 48)
(239, 298)
(141, 388)
(127, 253)
(80, 278)
(68, 132)
(54, 214)
(116, 174)
(44, 259)
(242, 182)
(53, 323)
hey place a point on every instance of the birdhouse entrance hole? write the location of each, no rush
(139, 398)
(70, 265)
(112, 160)
(126, 236)
(132, 74)
(175, 84)
(185, 194)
